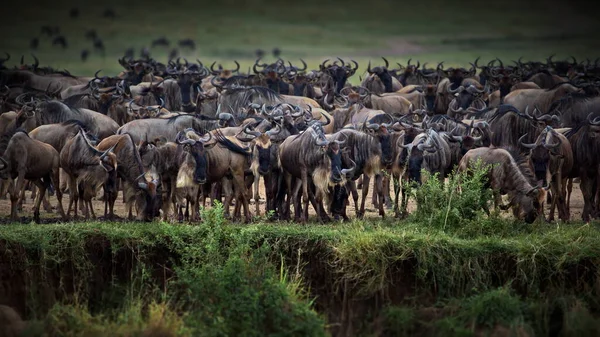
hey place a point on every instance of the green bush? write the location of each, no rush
(455, 203)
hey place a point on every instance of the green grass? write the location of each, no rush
(311, 267)
(454, 32)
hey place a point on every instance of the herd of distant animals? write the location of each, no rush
(59, 40)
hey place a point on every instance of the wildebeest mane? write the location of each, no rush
(522, 162)
(74, 100)
(221, 139)
(561, 83)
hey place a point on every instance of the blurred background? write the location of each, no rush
(83, 38)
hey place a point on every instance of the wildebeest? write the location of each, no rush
(26, 158)
(505, 177)
(337, 74)
(552, 160)
(380, 80)
(60, 41)
(585, 141)
(308, 159)
(152, 128)
(87, 169)
(541, 99)
(137, 187)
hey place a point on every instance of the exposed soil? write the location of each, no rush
(576, 207)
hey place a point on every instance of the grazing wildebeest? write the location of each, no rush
(139, 187)
(505, 177)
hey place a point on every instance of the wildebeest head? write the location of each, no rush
(382, 134)
(146, 111)
(457, 75)
(335, 153)
(540, 154)
(382, 72)
(338, 74)
(195, 157)
(420, 145)
(186, 80)
(261, 155)
(465, 97)
(224, 74)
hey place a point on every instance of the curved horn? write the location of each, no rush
(212, 81)
(459, 89)
(387, 64)
(183, 140)
(369, 68)
(388, 125)
(343, 63)
(236, 70)
(251, 132)
(525, 145)
(327, 118)
(349, 170)
(275, 131)
(595, 121)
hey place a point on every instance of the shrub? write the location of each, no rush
(452, 204)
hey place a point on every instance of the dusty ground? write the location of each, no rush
(121, 211)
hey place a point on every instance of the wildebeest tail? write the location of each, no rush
(231, 145)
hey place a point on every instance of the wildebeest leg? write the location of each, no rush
(33, 191)
(588, 189)
(359, 182)
(239, 189)
(55, 178)
(569, 190)
(297, 200)
(38, 200)
(563, 210)
(397, 187)
(379, 191)
(227, 190)
(46, 203)
(256, 194)
(352, 186)
(73, 196)
(365, 191)
(17, 195)
(386, 190)
(305, 200)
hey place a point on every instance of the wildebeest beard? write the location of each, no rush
(415, 162)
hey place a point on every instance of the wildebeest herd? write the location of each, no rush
(170, 135)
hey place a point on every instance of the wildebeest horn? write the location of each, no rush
(529, 146)
(183, 140)
(595, 121)
(212, 81)
(274, 131)
(429, 148)
(551, 146)
(251, 132)
(387, 125)
(387, 64)
(473, 89)
(162, 102)
(236, 70)
(349, 170)
(325, 104)
(371, 126)
(327, 118)
(304, 64)
(297, 111)
(369, 68)
(225, 116)
(459, 89)
(343, 63)
(401, 136)
(322, 142)
(105, 153)
(341, 142)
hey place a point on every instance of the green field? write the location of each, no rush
(431, 31)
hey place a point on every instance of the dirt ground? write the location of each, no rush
(121, 211)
